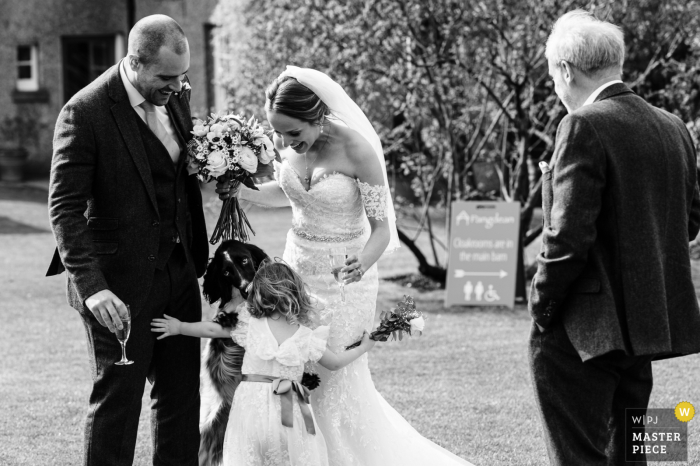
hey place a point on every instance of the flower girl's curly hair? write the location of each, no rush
(276, 287)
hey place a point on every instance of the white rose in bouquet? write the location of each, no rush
(233, 124)
(267, 153)
(200, 130)
(217, 163)
(417, 324)
(217, 129)
(248, 160)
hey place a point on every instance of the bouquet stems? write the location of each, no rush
(232, 223)
(372, 336)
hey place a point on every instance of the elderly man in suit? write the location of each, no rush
(130, 230)
(613, 289)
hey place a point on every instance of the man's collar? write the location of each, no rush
(591, 98)
(135, 97)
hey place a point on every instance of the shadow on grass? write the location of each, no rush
(23, 193)
(11, 227)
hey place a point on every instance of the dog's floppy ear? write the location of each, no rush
(211, 288)
(257, 254)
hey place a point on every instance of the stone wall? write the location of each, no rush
(45, 22)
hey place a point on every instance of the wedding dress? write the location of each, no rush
(359, 426)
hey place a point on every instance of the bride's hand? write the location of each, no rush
(353, 269)
(225, 189)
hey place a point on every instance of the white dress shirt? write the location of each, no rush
(591, 98)
(135, 98)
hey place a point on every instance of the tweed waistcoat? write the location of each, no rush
(169, 183)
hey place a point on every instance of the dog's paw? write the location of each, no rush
(226, 320)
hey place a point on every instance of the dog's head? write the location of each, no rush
(233, 266)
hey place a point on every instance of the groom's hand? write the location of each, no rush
(224, 186)
(107, 308)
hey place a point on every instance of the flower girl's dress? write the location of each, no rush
(255, 435)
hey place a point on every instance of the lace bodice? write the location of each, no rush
(331, 208)
(264, 356)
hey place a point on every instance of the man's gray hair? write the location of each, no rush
(153, 32)
(585, 42)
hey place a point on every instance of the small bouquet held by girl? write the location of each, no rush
(227, 147)
(403, 318)
(275, 328)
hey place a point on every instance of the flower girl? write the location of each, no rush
(271, 421)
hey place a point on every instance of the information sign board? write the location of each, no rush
(483, 253)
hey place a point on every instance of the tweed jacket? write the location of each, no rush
(102, 203)
(620, 206)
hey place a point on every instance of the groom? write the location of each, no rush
(613, 289)
(130, 230)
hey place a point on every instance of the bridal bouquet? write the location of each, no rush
(403, 318)
(226, 147)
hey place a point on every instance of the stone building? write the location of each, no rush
(50, 49)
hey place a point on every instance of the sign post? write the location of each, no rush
(483, 254)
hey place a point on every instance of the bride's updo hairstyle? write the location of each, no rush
(276, 287)
(291, 98)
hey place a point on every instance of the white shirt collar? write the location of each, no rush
(591, 98)
(135, 97)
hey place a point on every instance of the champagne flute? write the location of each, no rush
(338, 256)
(123, 337)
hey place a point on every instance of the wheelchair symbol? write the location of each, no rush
(490, 295)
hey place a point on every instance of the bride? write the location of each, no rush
(333, 175)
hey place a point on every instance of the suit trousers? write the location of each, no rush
(582, 404)
(171, 365)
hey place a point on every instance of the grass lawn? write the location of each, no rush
(464, 384)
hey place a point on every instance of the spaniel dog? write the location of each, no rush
(226, 280)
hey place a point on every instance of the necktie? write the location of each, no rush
(159, 130)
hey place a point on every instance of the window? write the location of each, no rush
(84, 59)
(27, 73)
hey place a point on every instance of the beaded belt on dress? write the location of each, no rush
(327, 238)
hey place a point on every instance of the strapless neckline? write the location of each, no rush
(323, 177)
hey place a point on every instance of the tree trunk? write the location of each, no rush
(439, 274)
(520, 280)
(534, 200)
(520, 194)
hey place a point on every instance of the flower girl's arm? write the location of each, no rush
(270, 195)
(333, 362)
(170, 326)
